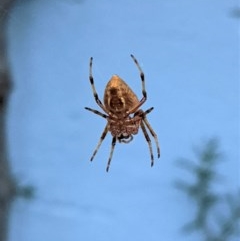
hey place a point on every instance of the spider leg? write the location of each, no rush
(148, 110)
(100, 142)
(144, 98)
(148, 141)
(97, 112)
(142, 77)
(151, 130)
(111, 152)
(98, 101)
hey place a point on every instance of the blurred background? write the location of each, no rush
(189, 52)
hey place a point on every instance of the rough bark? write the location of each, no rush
(7, 182)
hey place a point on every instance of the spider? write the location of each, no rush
(121, 110)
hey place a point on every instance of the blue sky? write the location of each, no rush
(189, 53)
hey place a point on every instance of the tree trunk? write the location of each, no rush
(7, 182)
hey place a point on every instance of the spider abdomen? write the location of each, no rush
(118, 96)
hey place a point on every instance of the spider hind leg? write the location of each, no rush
(100, 142)
(111, 153)
(148, 141)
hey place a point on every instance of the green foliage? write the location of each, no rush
(209, 204)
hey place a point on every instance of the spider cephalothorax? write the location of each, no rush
(121, 107)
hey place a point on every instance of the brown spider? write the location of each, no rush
(120, 102)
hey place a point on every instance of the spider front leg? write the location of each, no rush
(144, 98)
(98, 101)
(97, 112)
(141, 76)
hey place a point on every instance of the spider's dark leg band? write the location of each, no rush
(100, 141)
(143, 85)
(148, 110)
(148, 141)
(97, 112)
(111, 153)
